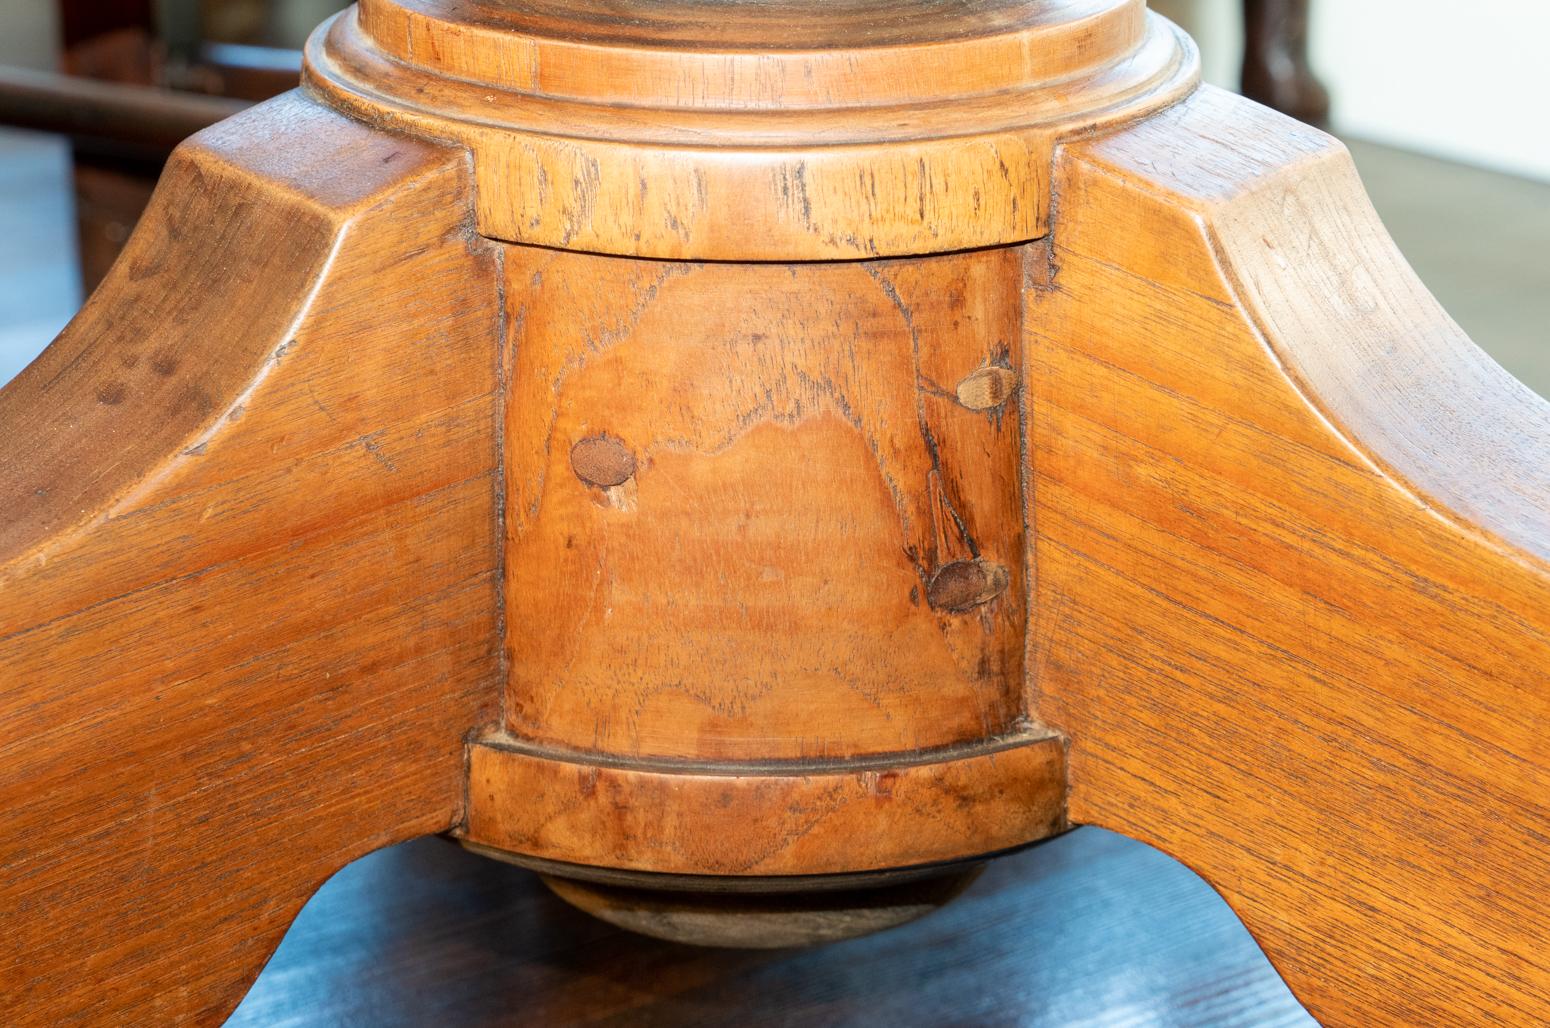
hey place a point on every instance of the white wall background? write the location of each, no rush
(29, 37)
(1469, 82)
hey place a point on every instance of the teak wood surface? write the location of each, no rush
(621, 443)
(248, 604)
(1291, 531)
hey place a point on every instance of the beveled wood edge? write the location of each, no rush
(75, 445)
(769, 819)
(1434, 411)
(1272, 227)
(1366, 343)
(256, 219)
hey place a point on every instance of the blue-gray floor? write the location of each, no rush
(1090, 929)
(39, 286)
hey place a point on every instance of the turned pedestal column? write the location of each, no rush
(752, 464)
(766, 576)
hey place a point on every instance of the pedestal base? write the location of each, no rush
(747, 912)
(753, 920)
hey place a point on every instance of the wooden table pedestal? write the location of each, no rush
(753, 463)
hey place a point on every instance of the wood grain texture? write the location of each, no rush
(786, 56)
(248, 603)
(817, 552)
(682, 133)
(1293, 605)
(769, 820)
(765, 542)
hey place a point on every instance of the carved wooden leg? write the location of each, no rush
(1292, 533)
(248, 565)
(747, 485)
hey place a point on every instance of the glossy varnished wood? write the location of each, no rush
(1293, 605)
(700, 131)
(247, 589)
(804, 488)
(325, 488)
(764, 521)
(729, 820)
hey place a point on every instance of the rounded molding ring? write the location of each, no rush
(649, 140)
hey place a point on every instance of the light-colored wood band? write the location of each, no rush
(772, 819)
